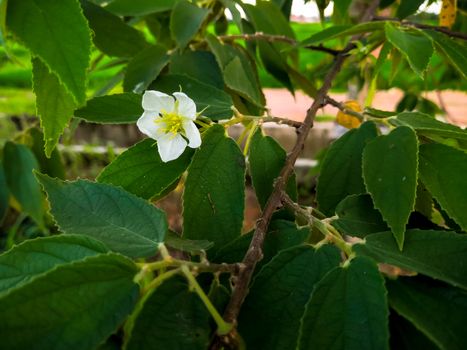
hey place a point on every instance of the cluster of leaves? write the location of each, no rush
(382, 259)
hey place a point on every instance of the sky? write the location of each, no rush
(310, 10)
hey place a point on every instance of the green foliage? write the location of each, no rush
(341, 173)
(125, 223)
(390, 161)
(347, 310)
(270, 318)
(372, 255)
(140, 170)
(213, 200)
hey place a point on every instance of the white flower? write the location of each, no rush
(169, 121)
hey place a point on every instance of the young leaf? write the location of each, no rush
(390, 173)
(217, 104)
(358, 217)
(342, 30)
(198, 65)
(428, 126)
(144, 68)
(35, 257)
(413, 43)
(140, 170)
(456, 52)
(78, 304)
(438, 254)
(341, 172)
(270, 316)
(19, 163)
(438, 310)
(214, 196)
(408, 7)
(239, 73)
(172, 317)
(449, 188)
(52, 166)
(125, 223)
(111, 35)
(54, 104)
(347, 310)
(56, 32)
(267, 158)
(139, 7)
(185, 21)
(112, 109)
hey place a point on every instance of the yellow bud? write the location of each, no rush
(447, 16)
(347, 120)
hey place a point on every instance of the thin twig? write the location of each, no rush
(343, 108)
(443, 30)
(282, 121)
(277, 38)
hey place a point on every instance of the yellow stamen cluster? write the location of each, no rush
(173, 122)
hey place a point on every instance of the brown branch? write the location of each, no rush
(277, 38)
(342, 107)
(282, 121)
(443, 30)
(255, 251)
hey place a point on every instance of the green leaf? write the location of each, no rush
(408, 7)
(341, 172)
(139, 7)
(19, 163)
(416, 47)
(217, 102)
(438, 254)
(358, 217)
(239, 73)
(125, 223)
(405, 336)
(390, 173)
(342, 30)
(270, 316)
(172, 317)
(266, 159)
(377, 113)
(347, 310)
(199, 65)
(173, 240)
(56, 32)
(111, 35)
(4, 194)
(449, 188)
(112, 109)
(144, 68)
(214, 195)
(52, 166)
(429, 127)
(437, 310)
(73, 306)
(185, 21)
(455, 51)
(54, 104)
(33, 258)
(282, 234)
(140, 170)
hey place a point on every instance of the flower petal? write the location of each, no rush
(157, 101)
(192, 134)
(171, 147)
(186, 106)
(146, 124)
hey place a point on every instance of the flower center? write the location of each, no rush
(173, 122)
